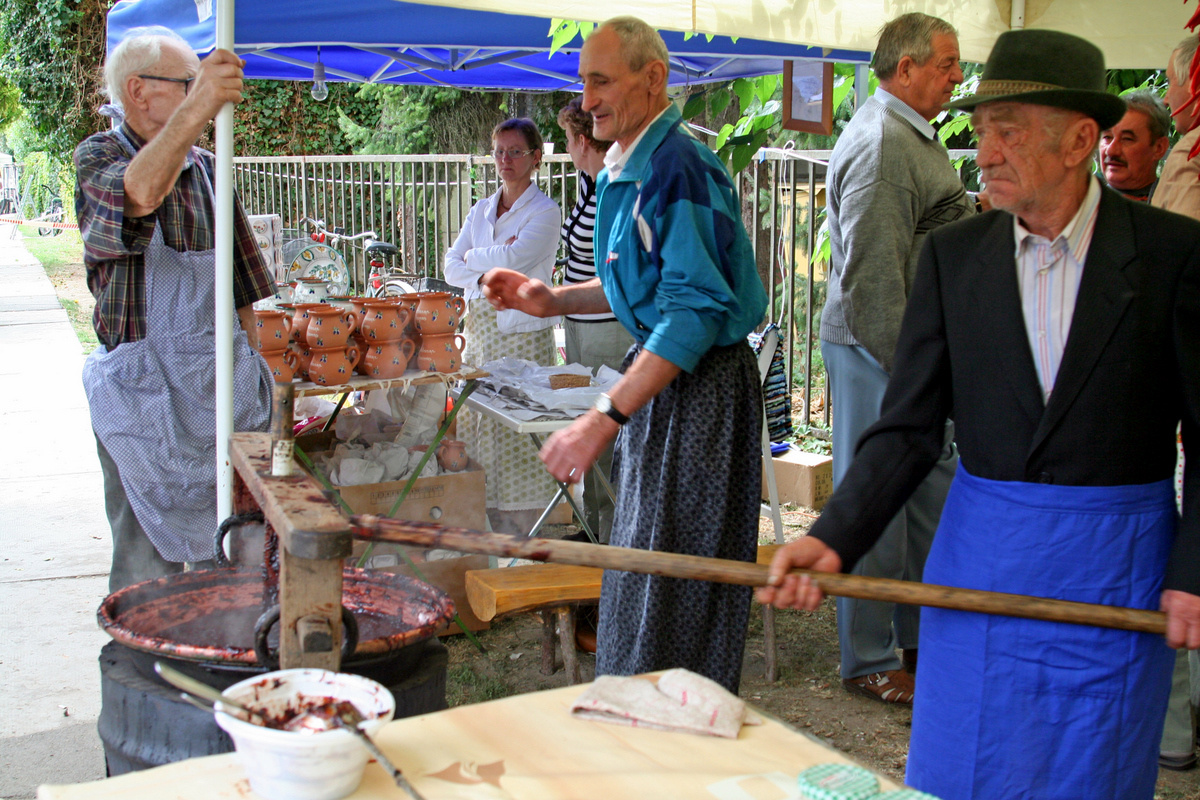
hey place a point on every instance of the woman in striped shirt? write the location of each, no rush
(591, 339)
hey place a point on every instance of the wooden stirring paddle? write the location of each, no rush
(674, 565)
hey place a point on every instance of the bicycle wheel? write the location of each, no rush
(54, 214)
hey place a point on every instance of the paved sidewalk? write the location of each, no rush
(54, 539)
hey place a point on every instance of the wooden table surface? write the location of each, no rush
(528, 747)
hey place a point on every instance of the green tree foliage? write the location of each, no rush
(50, 50)
(279, 118)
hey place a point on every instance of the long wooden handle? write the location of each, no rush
(674, 565)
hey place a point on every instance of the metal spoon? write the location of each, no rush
(346, 715)
(197, 690)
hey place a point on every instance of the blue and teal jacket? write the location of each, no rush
(671, 250)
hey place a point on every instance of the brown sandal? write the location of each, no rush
(895, 686)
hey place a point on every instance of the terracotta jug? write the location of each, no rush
(452, 455)
(283, 364)
(387, 359)
(439, 312)
(303, 357)
(384, 321)
(332, 365)
(441, 353)
(301, 319)
(329, 326)
(274, 328)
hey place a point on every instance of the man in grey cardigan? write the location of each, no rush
(889, 183)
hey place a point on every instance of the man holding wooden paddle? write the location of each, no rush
(1062, 334)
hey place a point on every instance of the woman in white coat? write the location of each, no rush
(516, 228)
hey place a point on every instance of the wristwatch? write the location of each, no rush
(604, 405)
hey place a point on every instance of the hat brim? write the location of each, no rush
(1107, 109)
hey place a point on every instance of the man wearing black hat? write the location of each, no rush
(1062, 333)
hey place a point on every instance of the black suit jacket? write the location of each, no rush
(1130, 372)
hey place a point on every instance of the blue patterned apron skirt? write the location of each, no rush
(1010, 708)
(688, 477)
(153, 403)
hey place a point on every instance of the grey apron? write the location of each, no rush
(153, 401)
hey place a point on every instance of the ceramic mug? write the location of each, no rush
(332, 365)
(274, 329)
(329, 326)
(439, 312)
(303, 357)
(441, 353)
(301, 319)
(387, 359)
(310, 290)
(452, 455)
(384, 321)
(283, 364)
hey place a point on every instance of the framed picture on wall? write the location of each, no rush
(808, 96)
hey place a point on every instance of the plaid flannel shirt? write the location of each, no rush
(114, 246)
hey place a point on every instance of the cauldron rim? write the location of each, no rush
(436, 606)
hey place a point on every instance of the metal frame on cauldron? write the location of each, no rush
(314, 536)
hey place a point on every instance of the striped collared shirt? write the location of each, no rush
(1048, 274)
(114, 245)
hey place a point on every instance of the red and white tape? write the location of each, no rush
(41, 223)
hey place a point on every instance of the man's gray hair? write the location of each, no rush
(640, 44)
(907, 35)
(139, 51)
(1150, 104)
(1181, 57)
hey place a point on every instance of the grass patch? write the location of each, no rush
(465, 686)
(55, 252)
(81, 321)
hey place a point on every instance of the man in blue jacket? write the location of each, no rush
(676, 268)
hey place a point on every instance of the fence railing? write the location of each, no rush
(419, 204)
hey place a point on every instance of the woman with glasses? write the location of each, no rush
(517, 228)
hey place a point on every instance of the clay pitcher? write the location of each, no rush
(283, 364)
(452, 455)
(303, 357)
(441, 353)
(301, 319)
(329, 326)
(332, 365)
(310, 290)
(439, 313)
(387, 359)
(274, 328)
(384, 321)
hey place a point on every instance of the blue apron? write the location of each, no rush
(1010, 708)
(153, 401)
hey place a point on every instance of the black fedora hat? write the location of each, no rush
(1047, 68)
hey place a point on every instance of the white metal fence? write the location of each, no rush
(419, 203)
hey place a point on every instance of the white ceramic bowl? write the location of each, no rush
(285, 765)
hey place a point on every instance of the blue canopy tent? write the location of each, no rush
(384, 41)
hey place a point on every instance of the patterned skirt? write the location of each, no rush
(516, 478)
(688, 477)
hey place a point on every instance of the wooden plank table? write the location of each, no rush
(526, 747)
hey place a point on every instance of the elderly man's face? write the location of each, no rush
(1019, 159)
(162, 98)
(620, 100)
(1177, 97)
(1129, 155)
(934, 81)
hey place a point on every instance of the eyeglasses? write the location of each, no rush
(511, 155)
(187, 82)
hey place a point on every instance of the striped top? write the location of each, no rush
(577, 231)
(1048, 274)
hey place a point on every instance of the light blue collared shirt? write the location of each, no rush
(906, 111)
(1048, 274)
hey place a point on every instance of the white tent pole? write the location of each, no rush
(1016, 18)
(224, 278)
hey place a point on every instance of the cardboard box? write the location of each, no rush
(803, 479)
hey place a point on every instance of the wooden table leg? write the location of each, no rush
(769, 643)
(548, 620)
(566, 641)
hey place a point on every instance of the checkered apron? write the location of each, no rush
(153, 402)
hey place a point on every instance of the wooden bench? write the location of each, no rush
(554, 590)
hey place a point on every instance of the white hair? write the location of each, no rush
(1181, 58)
(140, 50)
